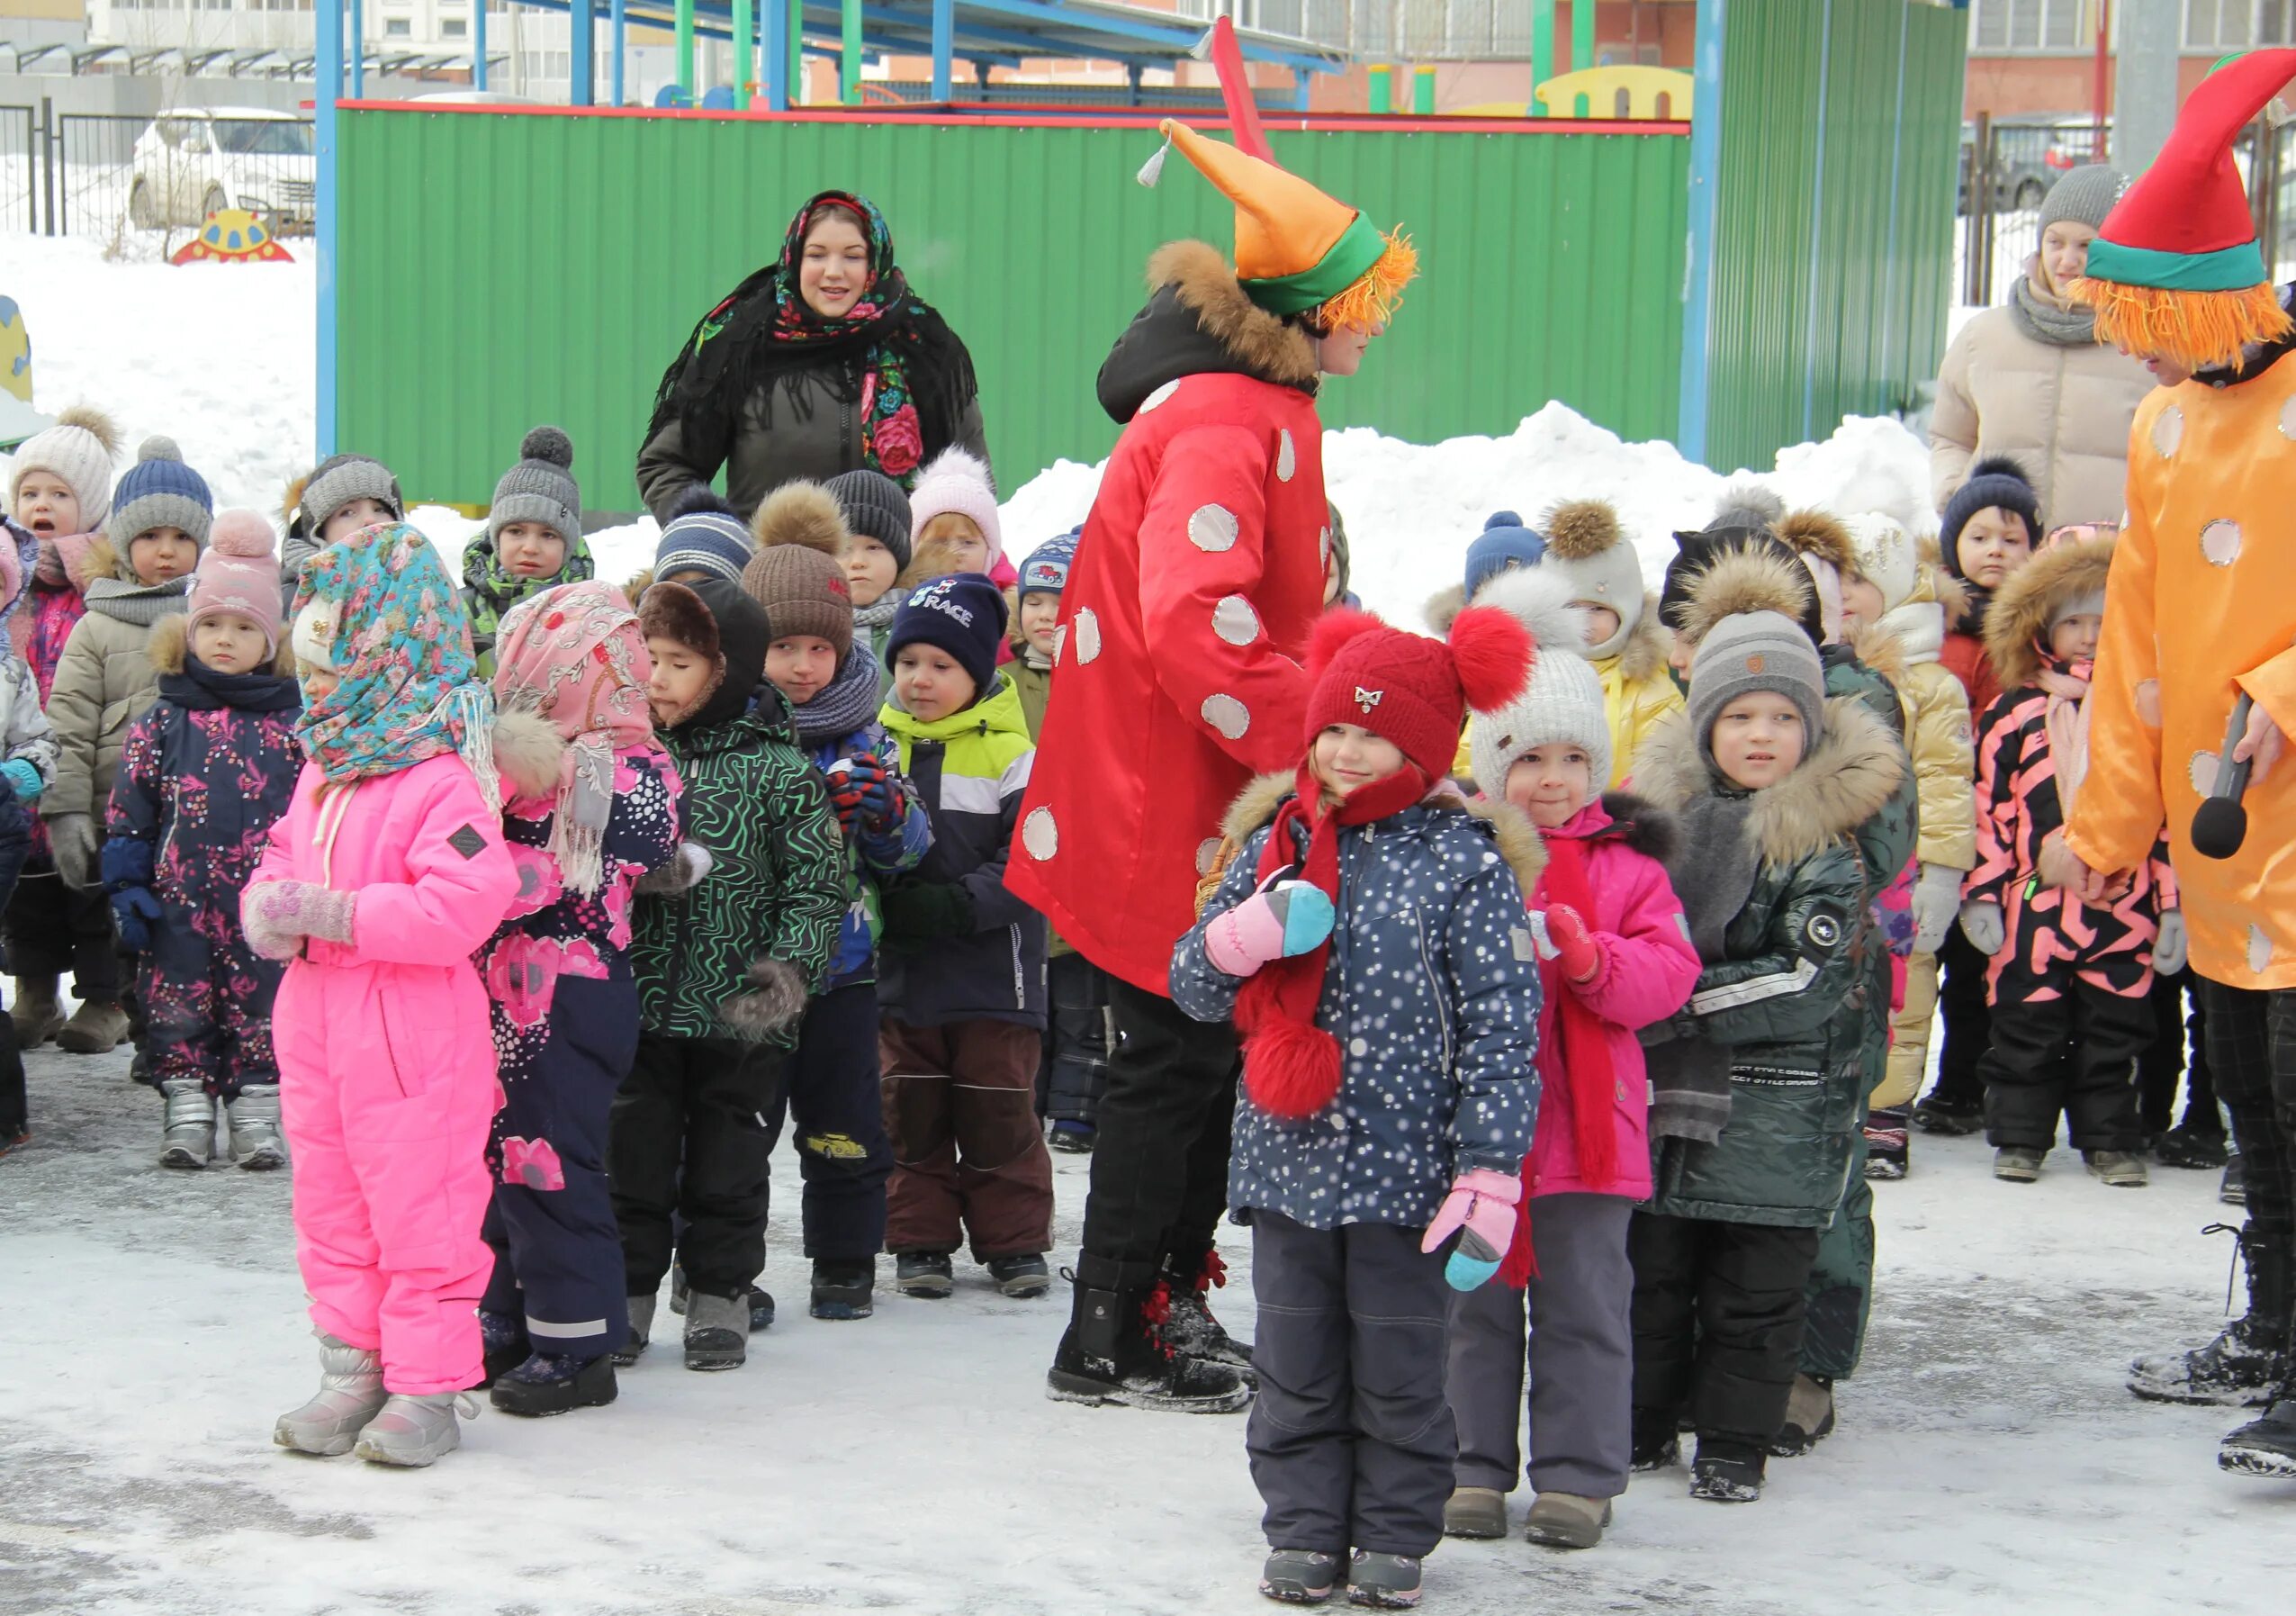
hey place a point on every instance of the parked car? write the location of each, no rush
(2028, 154)
(194, 160)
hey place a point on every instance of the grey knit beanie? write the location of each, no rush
(876, 507)
(339, 480)
(2084, 195)
(540, 488)
(160, 491)
(1756, 651)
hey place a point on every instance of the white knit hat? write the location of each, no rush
(79, 449)
(956, 481)
(1886, 555)
(1563, 701)
(1585, 543)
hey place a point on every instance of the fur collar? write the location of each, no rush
(1518, 839)
(1207, 285)
(2021, 608)
(1643, 826)
(1643, 655)
(1880, 648)
(171, 640)
(1845, 782)
(1815, 533)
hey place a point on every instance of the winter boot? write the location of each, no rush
(2234, 1370)
(761, 1309)
(550, 1382)
(1020, 1278)
(1566, 1520)
(190, 1138)
(1300, 1576)
(96, 1028)
(415, 1431)
(1809, 1417)
(1940, 1117)
(926, 1274)
(1888, 1155)
(1115, 1350)
(1655, 1444)
(2121, 1170)
(1383, 1582)
(641, 1330)
(1475, 1512)
(256, 1143)
(350, 1393)
(844, 1290)
(2017, 1164)
(1189, 1325)
(502, 1340)
(2232, 1189)
(718, 1331)
(1726, 1471)
(1075, 1139)
(37, 1014)
(2191, 1147)
(677, 1288)
(2267, 1446)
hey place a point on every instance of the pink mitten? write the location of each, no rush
(1281, 919)
(277, 915)
(1481, 1209)
(1574, 945)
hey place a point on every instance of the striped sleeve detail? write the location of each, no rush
(1754, 991)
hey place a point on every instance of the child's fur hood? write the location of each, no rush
(1518, 839)
(1845, 782)
(1944, 588)
(1579, 528)
(1744, 578)
(1643, 826)
(635, 589)
(1206, 284)
(107, 560)
(1644, 656)
(1878, 647)
(2018, 622)
(527, 751)
(675, 613)
(800, 513)
(291, 501)
(1815, 533)
(171, 640)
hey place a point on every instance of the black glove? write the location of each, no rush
(923, 911)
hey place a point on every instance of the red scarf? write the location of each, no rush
(1580, 1056)
(1290, 1065)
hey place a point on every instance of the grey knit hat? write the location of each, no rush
(2084, 195)
(540, 488)
(875, 508)
(1756, 651)
(160, 491)
(339, 480)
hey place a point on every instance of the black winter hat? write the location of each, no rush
(962, 614)
(876, 507)
(1695, 551)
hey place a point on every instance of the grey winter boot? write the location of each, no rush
(190, 1139)
(256, 1143)
(350, 1393)
(718, 1331)
(2236, 1368)
(36, 1012)
(641, 1330)
(1383, 1582)
(415, 1431)
(1475, 1512)
(96, 1028)
(1566, 1520)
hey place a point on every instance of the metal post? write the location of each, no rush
(478, 43)
(2100, 90)
(773, 27)
(619, 27)
(1301, 79)
(48, 141)
(1817, 225)
(1699, 242)
(358, 49)
(944, 43)
(2144, 90)
(1383, 87)
(1423, 91)
(1582, 33)
(797, 52)
(1977, 275)
(744, 55)
(327, 66)
(685, 25)
(581, 65)
(1135, 75)
(849, 55)
(1542, 50)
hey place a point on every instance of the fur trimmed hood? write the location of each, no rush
(1881, 648)
(1815, 533)
(1744, 578)
(1643, 826)
(635, 589)
(171, 640)
(1207, 285)
(1645, 655)
(800, 513)
(2022, 607)
(1846, 782)
(1517, 838)
(527, 752)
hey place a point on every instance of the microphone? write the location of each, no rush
(2220, 823)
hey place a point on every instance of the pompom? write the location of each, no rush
(291, 503)
(97, 425)
(1493, 656)
(549, 445)
(1541, 602)
(1502, 518)
(1291, 1072)
(159, 448)
(1578, 529)
(697, 497)
(1334, 630)
(800, 513)
(1999, 466)
(1747, 505)
(244, 533)
(1742, 578)
(954, 462)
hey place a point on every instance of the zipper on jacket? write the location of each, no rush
(1427, 964)
(1019, 972)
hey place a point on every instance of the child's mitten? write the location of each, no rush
(776, 998)
(1983, 924)
(2169, 947)
(277, 915)
(71, 839)
(1281, 919)
(1480, 1210)
(685, 870)
(23, 779)
(134, 907)
(1574, 945)
(1937, 898)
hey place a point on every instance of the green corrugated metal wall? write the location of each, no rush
(496, 270)
(1818, 309)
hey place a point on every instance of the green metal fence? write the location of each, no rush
(496, 269)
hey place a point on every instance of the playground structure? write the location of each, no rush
(1734, 283)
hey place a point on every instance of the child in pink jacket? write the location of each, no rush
(1616, 956)
(388, 870)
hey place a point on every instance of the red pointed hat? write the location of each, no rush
(2176, 271)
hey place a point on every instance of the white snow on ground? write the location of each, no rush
(1988, 1459)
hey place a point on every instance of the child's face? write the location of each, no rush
(1330, 578)
(869, 569)
(680, 675)
(530, 549)
(357, 514)
(2074, 639)
(318, 683)
(1601, 621)
(932, 683)
(2073, 533)
(962, 537)
(1861, 603)
(46, 504)
(162, 555)
(1758, 740)
(800, 666)
(229, 642)
(1550, 783)
(1679, 649)
(1993, 544)
(1039, 620)
(1349, 757)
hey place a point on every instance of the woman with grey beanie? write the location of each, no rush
(2029, 380)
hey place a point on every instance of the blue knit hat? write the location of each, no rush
(1046, 571)
(962, 614)
(160, 491)
(704, 535)
(1505, 542)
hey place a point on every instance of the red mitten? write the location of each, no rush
(1574, 945)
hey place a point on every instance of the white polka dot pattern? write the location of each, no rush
(2288, 419)
(1086, 625)
(1207, 854)
(1161, 395)
(1287, 456)
(1059, 643)
(1040, 836)
(2203, 771)
(1213, 529)
(2168, 431)
(1235, 621)
(2149, 702)
(1227, 715)
(2259, 950)
(2220, 542)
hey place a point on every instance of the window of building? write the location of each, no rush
(398, 28)
(2239, 24)
(454, 28)
(2007, 25)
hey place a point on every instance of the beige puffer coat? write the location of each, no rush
(103, 681)
(2062, 413)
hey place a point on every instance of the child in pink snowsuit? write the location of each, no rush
(388, 870)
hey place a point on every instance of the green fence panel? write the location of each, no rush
(1833, 232)
(499, 269)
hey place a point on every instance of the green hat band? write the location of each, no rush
(1351, 256)
(2227, 269)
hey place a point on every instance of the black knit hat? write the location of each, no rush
(875, 508)
(962, 614)
(1695, 551)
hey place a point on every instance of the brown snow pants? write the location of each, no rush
(968, 1159)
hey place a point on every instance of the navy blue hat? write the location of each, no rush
(1046, 571)
(1505, 543)
(704, 535)
(1994, 482)
(160, 491)
(962, 614)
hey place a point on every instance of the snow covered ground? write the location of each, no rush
(1988, 1459)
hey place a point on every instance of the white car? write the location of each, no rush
(194, 160)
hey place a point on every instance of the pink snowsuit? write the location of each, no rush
(386, 1066)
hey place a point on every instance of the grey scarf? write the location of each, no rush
(2044, 321)
(847, 703)
(1714, 874)
(872, 622)
(142, 604)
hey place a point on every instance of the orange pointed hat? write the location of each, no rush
(1296, 248)
(2175, 271)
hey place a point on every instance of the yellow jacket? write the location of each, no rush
(2201, 603)
(1903, 648)
(1637, 691)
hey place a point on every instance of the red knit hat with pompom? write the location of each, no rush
(238, 575)
(1411, 689)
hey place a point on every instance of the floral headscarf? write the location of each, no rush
(575, 656)
(378, 608)
(916, 379)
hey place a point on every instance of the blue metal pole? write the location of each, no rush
(1706, 175)
(328, 67)
(944, 45)
(1300, 79)
(358, 49)
(583, 30)
(1889, 314)
(621, 44)
(478, 43)
(774, 27)
(1817, 227)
